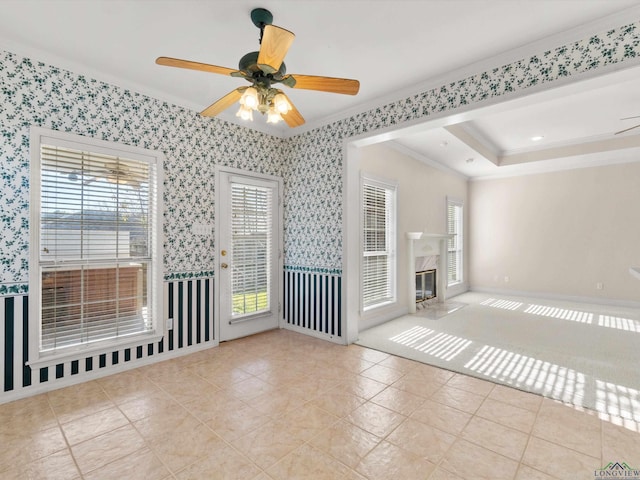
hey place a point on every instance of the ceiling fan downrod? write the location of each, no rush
(260, 18)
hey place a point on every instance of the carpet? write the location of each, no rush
(583, 354)
(435, 311)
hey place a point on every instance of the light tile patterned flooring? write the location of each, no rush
(281, 405)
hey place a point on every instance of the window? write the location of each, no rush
(454, 227)
(251, 226)
(378, 243)
(96, 271)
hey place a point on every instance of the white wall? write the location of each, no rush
(559, 233)
(421, 207)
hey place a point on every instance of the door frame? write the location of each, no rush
(279, 238)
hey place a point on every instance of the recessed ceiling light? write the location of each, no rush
(537, 138)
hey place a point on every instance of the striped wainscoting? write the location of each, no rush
(189, 302)
(312, 301)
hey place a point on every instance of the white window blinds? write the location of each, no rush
(96, 248)
(454, 227)
(251, 226)
(378, 244)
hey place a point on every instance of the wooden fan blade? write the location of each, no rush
(204, 67)
(326, 84)
(224, 103)
(275, 45)
(627, 129)
(293, 117)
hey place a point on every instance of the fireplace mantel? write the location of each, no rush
(422, 244)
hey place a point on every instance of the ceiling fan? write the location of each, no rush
(263, 69)
(630, 128)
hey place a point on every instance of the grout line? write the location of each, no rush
(284, 352)
(66, 440)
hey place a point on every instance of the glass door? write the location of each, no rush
(248, 255)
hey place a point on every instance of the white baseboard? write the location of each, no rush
(556, 296)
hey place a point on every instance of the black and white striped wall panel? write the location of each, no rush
(312, 303)
(189, 302)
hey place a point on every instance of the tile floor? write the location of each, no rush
(281, 405)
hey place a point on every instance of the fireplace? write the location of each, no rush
(427, 251)
(425, 285)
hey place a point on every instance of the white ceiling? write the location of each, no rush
(395, 48)
(577, 122)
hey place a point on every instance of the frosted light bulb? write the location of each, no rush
(245, 113)
(250, 98)
(273, 116)
(281, 103)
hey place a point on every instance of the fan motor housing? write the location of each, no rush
(249, 64)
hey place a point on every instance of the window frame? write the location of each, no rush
(390, 237)
(155, 300)
(459, 240)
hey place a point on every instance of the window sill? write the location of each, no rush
(79, 353)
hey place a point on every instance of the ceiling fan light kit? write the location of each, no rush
(263, 69)
(270, 101)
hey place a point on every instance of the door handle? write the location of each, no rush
(224, 265)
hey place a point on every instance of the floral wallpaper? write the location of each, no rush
(33, 93)
(313, 201)
(37, 94)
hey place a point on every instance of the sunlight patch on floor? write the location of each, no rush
(437, 344)
(619, 323)
(549, 373)
(579, 316)
(560, 313)
(503, 304)
(529, 373)
(618, 400)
